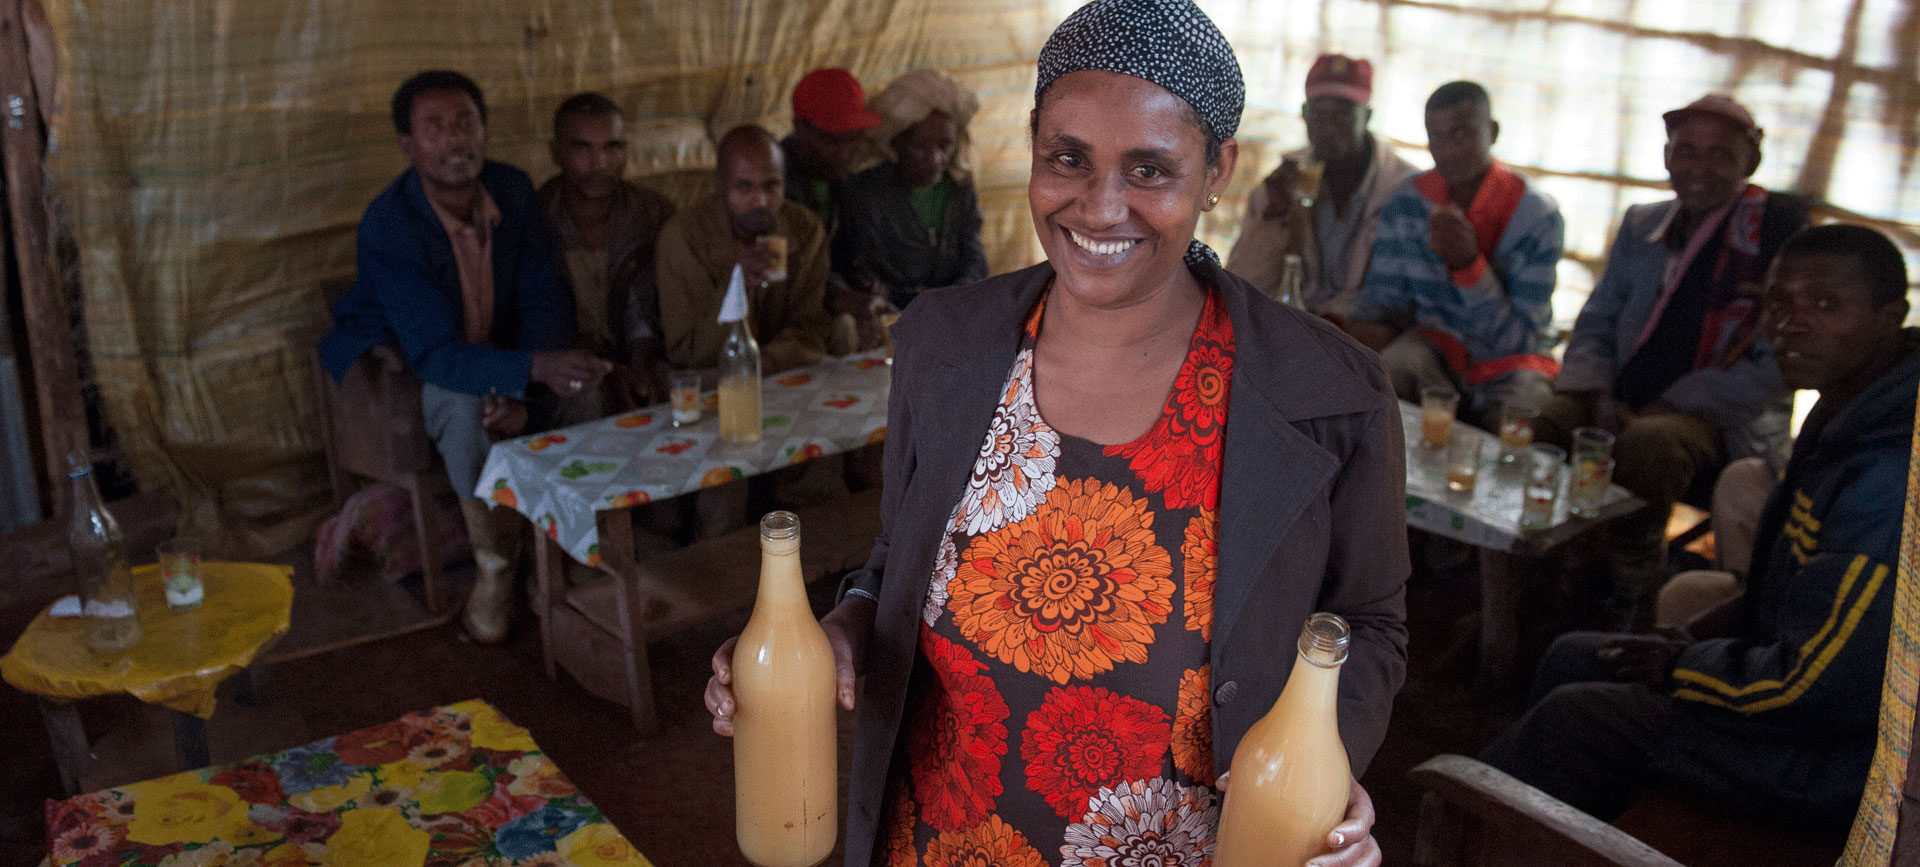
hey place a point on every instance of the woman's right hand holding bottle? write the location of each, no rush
(848, 626)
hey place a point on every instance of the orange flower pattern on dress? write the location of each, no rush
(1179, 457)
(1072, 590)
(1061, 703)
(1014, 470)
(1193, 725)
(1200, 557)
(992, 843)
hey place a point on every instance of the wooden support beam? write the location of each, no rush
(51, 353)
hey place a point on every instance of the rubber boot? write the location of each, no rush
(490, 605)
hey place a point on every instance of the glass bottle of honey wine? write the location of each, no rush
(739, 388)
(1290, 774)
(785, 773)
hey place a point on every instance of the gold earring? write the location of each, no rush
(1212, 200)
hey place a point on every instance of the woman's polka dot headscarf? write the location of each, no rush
(1168, 42)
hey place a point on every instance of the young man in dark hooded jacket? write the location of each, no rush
(1776, 714)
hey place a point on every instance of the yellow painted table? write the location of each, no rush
(181, 658)
(455, 786)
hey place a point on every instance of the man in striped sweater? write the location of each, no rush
(1459, 294)
(1769, 705)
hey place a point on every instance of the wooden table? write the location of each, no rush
(575, 484)
(181, 659)
(1488, 518)
(456, 785)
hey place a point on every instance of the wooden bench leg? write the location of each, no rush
(616, 556)
(190, 740)
(549, 576)
(1499, 620)
(70, 752)
(432, 578)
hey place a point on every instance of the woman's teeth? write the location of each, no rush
(1100, 248)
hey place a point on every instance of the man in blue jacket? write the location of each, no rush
(1774, 712)
(1667, 353)
(457, 267)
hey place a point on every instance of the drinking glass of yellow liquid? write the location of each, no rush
(777, 244)
(1516, 430)
(1542, 467)
(684, 397)
(1591, 476)
(1307, 181)
(1463, 460)
(1437, 408)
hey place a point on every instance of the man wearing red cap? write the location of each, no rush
(1667, 352)
(829, 117)
(1330, 228)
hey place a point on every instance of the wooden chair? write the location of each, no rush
(373, 427)
(1473, 814)
(598, 630)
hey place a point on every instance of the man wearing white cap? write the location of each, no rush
(1667, 352)
(1333, 236)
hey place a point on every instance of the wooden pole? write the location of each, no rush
(51, 352)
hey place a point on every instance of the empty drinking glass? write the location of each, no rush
(1591, 476)
(1543, 466)
(1463, 460)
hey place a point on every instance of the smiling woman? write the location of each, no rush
(1092, 467)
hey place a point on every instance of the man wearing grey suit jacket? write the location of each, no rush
(1667, 353)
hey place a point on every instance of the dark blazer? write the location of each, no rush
(1313, 515)
(408, 288)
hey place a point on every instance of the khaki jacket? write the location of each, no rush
(693, 263)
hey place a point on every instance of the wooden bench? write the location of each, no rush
(585, 625)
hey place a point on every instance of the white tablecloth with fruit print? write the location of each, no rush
(560, 478)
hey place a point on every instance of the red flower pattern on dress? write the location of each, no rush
(992, 843)
(1193, 725)
(899, 830)
(1071, 591)
(957, 739)
(1179, 457)
(1200, 559)
(1085, 738)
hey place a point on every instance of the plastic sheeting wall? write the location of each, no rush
(214, 155)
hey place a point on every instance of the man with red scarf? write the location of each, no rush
(1667, 353)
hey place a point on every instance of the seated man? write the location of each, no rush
(1666, 352)
(457, 267)
(830, 123)
(1334, 237)
(913, 222)
(1775, 714)
(606, 228)
(700, 246)
(1459, 293)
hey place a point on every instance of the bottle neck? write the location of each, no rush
(1312, 694)
(781, 581)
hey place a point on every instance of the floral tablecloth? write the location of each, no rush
(559, 479)
(458, 785)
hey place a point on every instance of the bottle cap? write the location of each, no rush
(733, 308)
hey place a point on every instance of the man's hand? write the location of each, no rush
(755, 261)
(1611, 415)
(568, 371)
(1450, 235)
(633, 388)
(1642, 659)
(503, 416)
(1283, 191)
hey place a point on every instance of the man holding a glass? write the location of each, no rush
(1323, 201)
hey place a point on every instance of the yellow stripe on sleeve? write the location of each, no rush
(1833, 617)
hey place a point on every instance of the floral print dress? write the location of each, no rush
(1060, 713)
